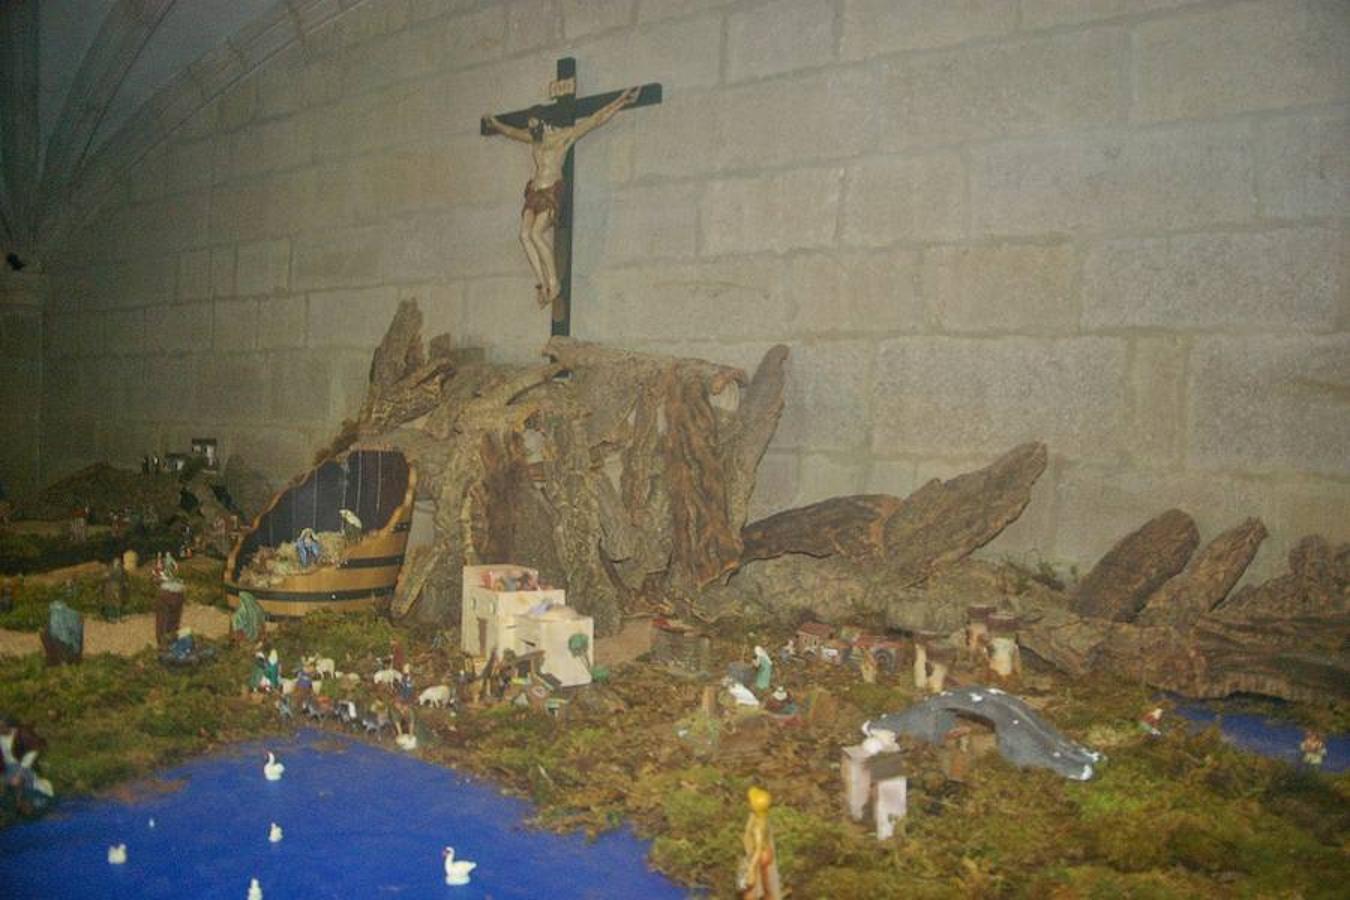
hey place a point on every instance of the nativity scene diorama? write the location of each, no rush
(544, 580)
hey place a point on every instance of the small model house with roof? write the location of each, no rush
(505, 607)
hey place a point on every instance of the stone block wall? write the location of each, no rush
(1118, 226)
(21, 300)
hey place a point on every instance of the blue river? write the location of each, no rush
(357, 822)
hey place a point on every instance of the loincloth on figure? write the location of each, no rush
(538, 200)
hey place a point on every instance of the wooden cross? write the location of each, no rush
(563, 112)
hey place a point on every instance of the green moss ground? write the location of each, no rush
(1184, 815)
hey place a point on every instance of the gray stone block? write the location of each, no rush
(177, 329)
(20, 335)
(531, 24)
(194, 275)
(1097, 505)
(686, 52)
(758, 124)
(232, 388)
(167, 392)
(775, 484)
(1066, 82)
(1241, 58)
(339, 258)
(401, 56)
(1303, 166)
(299, 387)
(779, 37)
(893, 199)
(873, 27)
(480, 172)
(1270, 404)
(1003, 288)
(654, 10)
(826, 397)
(235, 325)
(736, 299)
(356, 318)
(798, 208)
(957, 396)
(851, 292)
(476, 37)
(586, 17)
(222, 271)
(282, 322)
(124, 332)
(1049, 13)
(826, 475)
(1128, 181)
(1155, 436)
(349, 380)
(263, 267)
(637, 224)
(500, 315)
(1291, 279)
(697, 112)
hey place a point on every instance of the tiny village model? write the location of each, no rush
(835, 701)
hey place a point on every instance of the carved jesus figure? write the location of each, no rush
(543, 192)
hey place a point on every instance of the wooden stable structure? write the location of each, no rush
(378, 485)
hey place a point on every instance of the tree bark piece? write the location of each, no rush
(1120, 584)
(944, 521)
(1318, 583)
(1207, 580)
(853, 527)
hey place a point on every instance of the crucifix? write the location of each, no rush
(552, 129)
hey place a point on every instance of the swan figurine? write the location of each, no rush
(273, 770)
(274, 833)
(407, 741)
(117, 854)
(254, 890)
(456, 870)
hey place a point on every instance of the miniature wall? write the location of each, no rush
(21, 301)
(1117, 226)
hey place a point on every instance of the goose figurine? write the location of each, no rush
(254, 890)
(272, 771)
(274, 833)
(456, 870)
(117, 854)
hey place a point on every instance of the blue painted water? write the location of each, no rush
(357, 822)
(1275, 738)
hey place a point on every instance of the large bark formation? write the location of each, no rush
(1207, 580)
(622, 476)
(865, 554)
(1120, 584)
(1288, 637)
(940, 522)
(626, 477)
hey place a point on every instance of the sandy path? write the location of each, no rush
(131, 635)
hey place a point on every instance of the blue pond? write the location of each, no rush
(1268, 737)
(357, 822)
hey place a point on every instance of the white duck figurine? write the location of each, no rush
(456, 871)
(272, 770)
(406, 741)
(117, 854)
(254, 890)
(274, 833)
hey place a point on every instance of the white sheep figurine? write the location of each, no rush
(438, 696)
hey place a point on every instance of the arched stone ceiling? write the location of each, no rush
(88, 86)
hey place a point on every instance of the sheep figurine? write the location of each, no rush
(438, 696)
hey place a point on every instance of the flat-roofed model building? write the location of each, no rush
(504, 608)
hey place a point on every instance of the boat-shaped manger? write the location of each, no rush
(345, 567)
